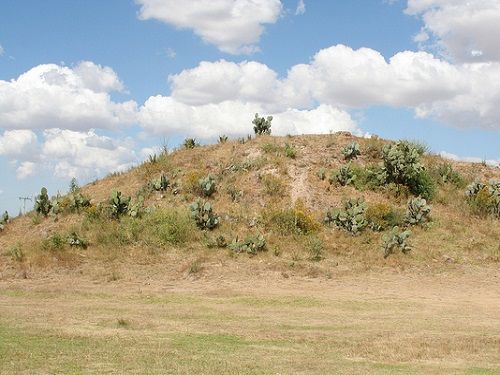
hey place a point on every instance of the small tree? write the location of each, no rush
(262, 125)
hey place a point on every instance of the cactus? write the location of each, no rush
(203, 215)
(344, 176)
(74, 240)
(223, 139)
(43, 205)
(290, 151)
(262, 125)
(78, 201)
(484, 199)
(207, 185)
(251, 244)
(351, 151)
(4, 219)
(190, 143)
(135, 209)
(474, 188)
(350, 218)
(394, 240)
(161, 184)
(417, 211)
(494, 189)
(119, 204)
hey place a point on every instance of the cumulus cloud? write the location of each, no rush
(18, 144)
(25, 169)
(54, 96)
(463, 30)
(464, 95)
(233, 26)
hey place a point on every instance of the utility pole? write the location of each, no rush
(24, 199)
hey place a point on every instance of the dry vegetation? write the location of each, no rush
(156, 294)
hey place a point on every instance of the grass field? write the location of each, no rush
(375, 323)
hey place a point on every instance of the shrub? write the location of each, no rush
(43, 205)
(351, 217)
(17, 253)
(170, 226)
(321, 174)
(203, 215)
(290, 151)
(371, 177)
(4, 219)
(381, 216)
(77, 202)
(351, 151)
(223, 139)
(344, 176)
(484, 199)
(55, 242)
(447, 175)
(273, 185)
(417, 211)
(262, 125)
(394, 240)
(190, 143)
(192, 180)
(295, 220)
(315, 248)
(118, 204)
(206, 186)
(402, 166)
(250, 245)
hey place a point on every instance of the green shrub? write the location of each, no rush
(43, 205)
(381, 216)
(77, 202)
(206, 186)
(56, 242)
(402, 166)
(321, 174)
(417, 211)
(203, 215)
(290, 151)
(250, 245)
(315, 248)
(395, 240)
(4, 219)
(170, 227)
(273, 185)
(445, 174)
(16, 253)
(351, 151)
(351, 217)
(484, 199)
(371, 177)
(74, 240)
(262, 125)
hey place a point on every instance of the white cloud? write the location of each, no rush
(301, 8)
(233, 26)
(85, 154)
(469, 159)
(25, 169)
(19, 144)
(1, 50)
(167, 116)
(52, 96)
(460, 27)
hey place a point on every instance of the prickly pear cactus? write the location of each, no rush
(417, 211)
(395, 240)
(262, 125)
(43, 205)
(251, 244)
(161, 184)
(207, 186)
(344, 176)
(401, 162)
(351, 151)
(474, 188)
(135, 209)
(203, 215)
(351, 217)
(78, 201)
(118, 204)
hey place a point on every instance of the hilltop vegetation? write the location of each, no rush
(310, 201)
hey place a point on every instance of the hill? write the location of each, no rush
(296, 256)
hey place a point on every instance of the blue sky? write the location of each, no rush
(88, 87)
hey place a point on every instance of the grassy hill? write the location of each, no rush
(272, 279)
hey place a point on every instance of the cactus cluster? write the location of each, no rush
(417, 211)
(250, 245)
(484, 198)
(203, 215)
(351, 217)
(396, 239)
(161, 184)
(262, 125)
(207, 186)
(119, 204)
(344, 176)
(43, 204)
(4, 219)
(351, 151)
